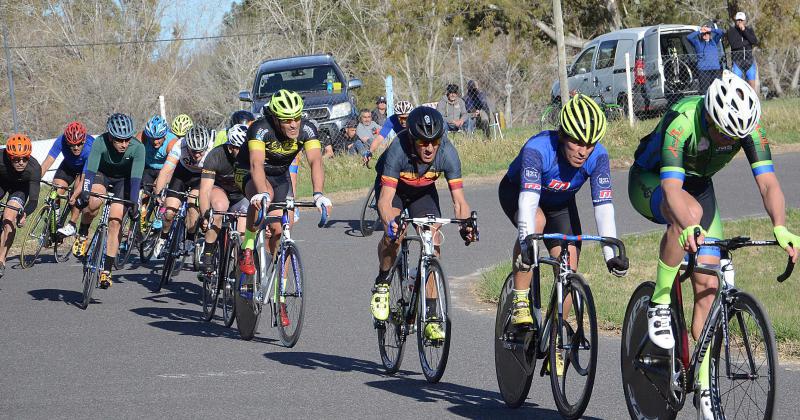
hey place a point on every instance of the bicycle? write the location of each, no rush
(572, 335)
(93, 262)
(656, 381)
(223, 278)
(149, 226)
(678, 75)
(175, 245)
(254, 292)
(408, 306)
(550, 115)
(43, 232)
(370, 219)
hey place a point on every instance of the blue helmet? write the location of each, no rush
(120, 126)
(156, 127)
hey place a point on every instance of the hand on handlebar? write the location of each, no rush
(618, 266)
(788, 241)
(256, 200)
(689, 241)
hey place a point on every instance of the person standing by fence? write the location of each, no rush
(706, 46)
(741, 40)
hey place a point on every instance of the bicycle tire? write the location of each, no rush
(92, 274)
(514, 361)
(228, 291)
(293, 294)
(724, 394)
(34, 237)
(170, 261)
(149, 235)
(585, 317)
(127, 242)
(370, 218)
(211, 289)
(248, 311)
(62, 247)
(433, 354)
(643, 392)
(392, 333)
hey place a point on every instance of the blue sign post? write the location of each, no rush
(389, 96)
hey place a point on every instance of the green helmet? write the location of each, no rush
(583, 120)
(181, 125)
(286, 104)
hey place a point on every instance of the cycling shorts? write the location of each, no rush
(749, 74)
(281, 184)
(420, 202)
(67, 173)
(149, 176)
(119, 186)
(183, 180)
(16, 196)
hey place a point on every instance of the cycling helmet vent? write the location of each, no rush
(583, 120)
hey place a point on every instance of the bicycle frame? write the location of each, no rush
(101, 233)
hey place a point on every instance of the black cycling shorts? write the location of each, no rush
(281, 184)
(183, 180)
(119, 186)
(420, 203)
(559, 219)
(66, 173)
(19, 196)
(149, 176)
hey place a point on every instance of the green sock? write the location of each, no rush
(249, 239)
(521, 294)
(702, 374)
(665, 277)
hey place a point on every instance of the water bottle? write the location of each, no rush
(727, 271)
(330, 82)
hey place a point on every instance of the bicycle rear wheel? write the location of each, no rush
(248, 308)
(149, 236)
(291, 296)
(229, 282)
(211, 289)
(127, 241)
(433, 353)
(370, 219)
(743, 372)
(574, 338)
(62, 248)
(514, 354)
(392, 333)
(647, 386)
(34, 238)
(91, 268)
(171, 259)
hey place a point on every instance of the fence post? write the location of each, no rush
(629, 88)
(389, 96)
(507, 117)
(161, 107)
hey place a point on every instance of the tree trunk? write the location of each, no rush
(774, 75)
(616, 16)
(796, 75)
(569, 39)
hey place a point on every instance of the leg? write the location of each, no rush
(9, 230)
(192, 213)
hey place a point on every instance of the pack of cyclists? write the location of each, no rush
(251, 163)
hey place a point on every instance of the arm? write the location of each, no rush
(314, 157)
(385, 203)
(33, 190)
(92, 164)
(602, 198)
(135, 182)
(717, 35)
(750, 35)
(460, 206)
(206, 184)
(165, 174)
(48, 161)
(52, 155)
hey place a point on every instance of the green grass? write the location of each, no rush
(756, 270)
(486, 157)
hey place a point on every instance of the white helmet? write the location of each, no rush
(403, 107)
(198, 138)
(237, 135)
(733, 105)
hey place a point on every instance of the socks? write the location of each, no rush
(249, 239)
(665, 277)
(522, 294)
(84, 229)
(109, 262)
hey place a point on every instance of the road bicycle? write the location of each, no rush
(370, 219)
(94, 261)
(410, 308)
(179, 244)
(222, 280)
(278, 283)
(550, 115)
(149, 225)
(43, 231)
(678, 75)
(737, 335)
(569, 336)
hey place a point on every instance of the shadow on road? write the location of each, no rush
(70, 297)
(308, 360)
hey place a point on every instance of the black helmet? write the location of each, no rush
(425, 123)
(241, 117)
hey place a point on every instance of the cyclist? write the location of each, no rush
(158, 142)
(406, 177)
(181, 125)
(218, 189)
(70, 172)
(182, 171)
(238, 117)
(538, 193)
(115, 165)
(20, 176)
(394, 123)
(670, 183)
(274, 140)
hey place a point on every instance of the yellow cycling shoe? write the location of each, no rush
(559, 365)
(379, 305)
(79, 246)
(521, 314)
(434, 331)
(105, 279)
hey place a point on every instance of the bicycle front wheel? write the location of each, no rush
(34, 238)
(91, 268)
(62, 248)
(171, 259)
(573, 340)
(291, 297)
(392, 333)
(211, 290)
(744, 368)
(127, 242)
(433, 351)
(229, 282)
(369, 214)
(149, 236)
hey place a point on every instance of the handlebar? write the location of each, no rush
(429, 220)
(60, 187)
(290, 205)
(111, 198)
(178, 193)
(605, 240)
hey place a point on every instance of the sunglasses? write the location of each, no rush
(116, 140)
(425, 143)
(76, 146)
(402, 117)
(288, 120)
(20, 159)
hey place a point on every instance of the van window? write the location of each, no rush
(605, 54)
(584, 61)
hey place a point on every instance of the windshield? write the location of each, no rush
(308, 79)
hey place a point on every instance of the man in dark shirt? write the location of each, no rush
(479, 112)
(20, 175)
(379, 113)
(741, 40)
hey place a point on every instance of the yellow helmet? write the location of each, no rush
(286, 104)
(181, 125)
(583, 120)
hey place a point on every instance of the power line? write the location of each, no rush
(142, 41)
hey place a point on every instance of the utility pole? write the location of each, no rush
(558, 19)
(10, 79)
(459, 40)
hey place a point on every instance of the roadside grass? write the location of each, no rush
(756, 270)
(481, 157)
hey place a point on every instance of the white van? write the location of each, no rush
(663, 67)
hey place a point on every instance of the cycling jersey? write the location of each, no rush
(391, 124)
(181, 153)
(22, 186)
(540, 168)
(400, 168)
(279, 151)
(680, 145)
(71, 162)
(219, 166)
(155, 157)
(105, 159)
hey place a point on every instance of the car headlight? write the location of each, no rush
(341, 110)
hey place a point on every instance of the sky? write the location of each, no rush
(204, 16)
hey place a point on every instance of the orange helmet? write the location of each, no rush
(75, 133)
(18, 145)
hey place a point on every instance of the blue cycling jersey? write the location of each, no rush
(155, 158)
(70, 160)
(539, 168)
(391, 124)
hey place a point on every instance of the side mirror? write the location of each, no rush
(354, 84)
(244, 96)
(581, 70)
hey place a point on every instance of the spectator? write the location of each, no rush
(367, 129)
(478, 109)
(741, 40)
(379, 113)
(452, 108)
(705, 42)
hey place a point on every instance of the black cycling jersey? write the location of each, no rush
(219, 167)
(26, 181)
(400, 168)
(279, 151)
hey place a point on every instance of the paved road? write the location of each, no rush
(139, 354)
